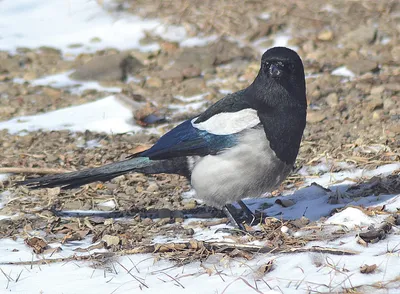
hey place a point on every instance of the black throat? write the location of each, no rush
(284, 130)
(282, 112)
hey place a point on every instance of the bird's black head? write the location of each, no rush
(279, 95)
(282, 70)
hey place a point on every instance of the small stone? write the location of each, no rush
(325, 35)
(388, 104)
(394, 128)
(363, 35)
(315, 116)
(7, 110)
(332, 99)
(191, 204)
(73, 205)
(54, 93)
(113, 67)
(152, 187)
(154, 82)
(111, 240)
(376, 115)
(106, 206)
(147, 221)
(375, 102)
(285, 230)
(179, 220)
(192, 87)
(377, 90)
(169, 47)
(396, 53)
(191, 72)
(285, 202)
(4, 77)
(30, 75)
(392, 87)
(361, 66)
(171, 74)
(111, 186)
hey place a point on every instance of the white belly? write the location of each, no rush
(248, 170)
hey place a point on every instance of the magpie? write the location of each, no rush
(242, 146)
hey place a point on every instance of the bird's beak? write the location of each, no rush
(275, 71)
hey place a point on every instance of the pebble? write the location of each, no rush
(152, 187)
(191, 204)
(332, 99)
(154, 82)
(194, 86)
(325, 35)
(315, 116)
(364, 34)
(285, 230)
(377, 90)
(171, 74)
(285, 202)
(361, 66)
(112, 67)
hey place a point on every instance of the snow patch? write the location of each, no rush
(104, 115)
(59, 24)
(63, 81)
(344, 72)
(352, 217)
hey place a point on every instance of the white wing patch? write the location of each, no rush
(227, 123)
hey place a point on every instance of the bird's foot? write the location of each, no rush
(242, 219)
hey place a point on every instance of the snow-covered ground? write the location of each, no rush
(61, 23)
(292, 273)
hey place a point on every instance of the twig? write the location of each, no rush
(31, 170)
(133, 276)
(244, 281)
(191, 245)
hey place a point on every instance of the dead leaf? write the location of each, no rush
(38, 244)
(266, 268)
(367, 269)
(71, 236)
(83, 233)
(240, 253)
(196, 245)
(169, 247)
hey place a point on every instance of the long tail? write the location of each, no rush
(107, 172)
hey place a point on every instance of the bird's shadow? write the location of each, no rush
(315, 201)
(312, 202)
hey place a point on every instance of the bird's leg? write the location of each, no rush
(231, 213)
